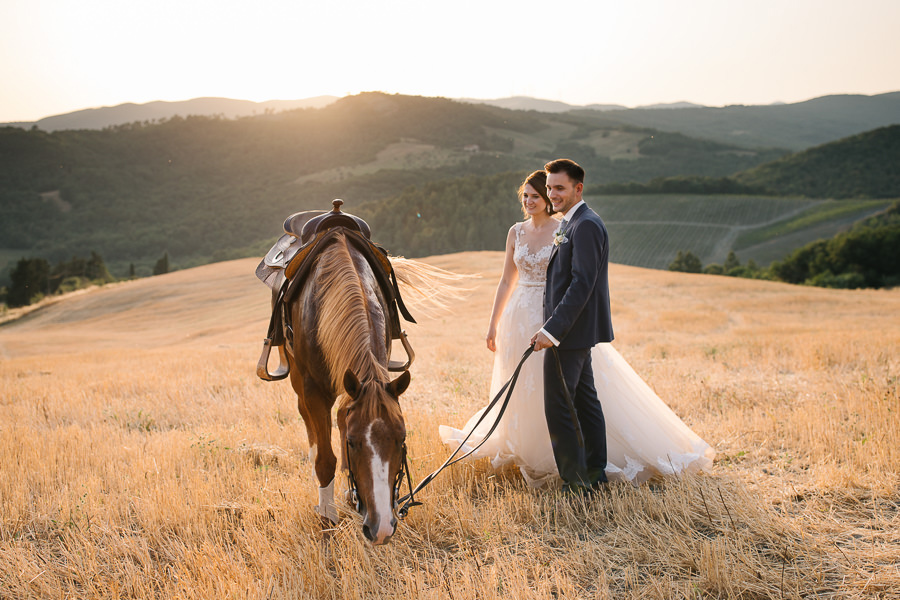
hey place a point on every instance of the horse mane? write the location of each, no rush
(346, 332)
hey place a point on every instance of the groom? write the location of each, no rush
(576, 317)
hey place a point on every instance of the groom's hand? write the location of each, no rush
(540, 341)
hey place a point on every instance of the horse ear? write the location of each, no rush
(399, 385)
(351, 384)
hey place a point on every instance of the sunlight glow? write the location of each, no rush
(57, 55)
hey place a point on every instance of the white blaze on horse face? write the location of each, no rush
(381, 490)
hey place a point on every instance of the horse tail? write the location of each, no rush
(428, 289)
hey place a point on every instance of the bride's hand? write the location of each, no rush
(491, 339)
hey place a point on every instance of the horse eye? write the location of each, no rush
(351, 443)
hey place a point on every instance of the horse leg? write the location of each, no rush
(315, 409)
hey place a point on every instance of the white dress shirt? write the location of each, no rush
(567, 216)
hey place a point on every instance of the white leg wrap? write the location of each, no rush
(326, 507)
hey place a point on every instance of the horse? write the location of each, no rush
(339, 354)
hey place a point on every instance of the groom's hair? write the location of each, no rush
(567, 166)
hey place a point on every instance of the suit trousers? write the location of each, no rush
(577, 465)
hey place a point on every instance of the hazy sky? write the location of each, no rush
(57, 56)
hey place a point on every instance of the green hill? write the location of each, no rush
(432, 175)
(861, 166)
(204, 189)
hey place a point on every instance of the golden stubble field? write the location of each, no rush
(140, 457)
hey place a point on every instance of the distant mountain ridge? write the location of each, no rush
(794, 126)
(98, 118)
(539, 104)
(556, 106)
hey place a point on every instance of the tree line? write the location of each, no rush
(32, 279)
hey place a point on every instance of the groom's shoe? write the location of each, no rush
(586, 492)
(576, 490)
(600, 488)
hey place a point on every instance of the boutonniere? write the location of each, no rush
(560, 237)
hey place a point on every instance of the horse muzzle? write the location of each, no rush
(380, 532)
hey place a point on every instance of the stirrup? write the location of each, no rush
(262, 367)
(396, 365)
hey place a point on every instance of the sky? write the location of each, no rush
(58, 56)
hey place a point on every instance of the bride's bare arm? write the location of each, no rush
(504, 289)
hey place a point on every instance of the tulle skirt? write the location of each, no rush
(644, 437)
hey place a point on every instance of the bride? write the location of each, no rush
(644, 437)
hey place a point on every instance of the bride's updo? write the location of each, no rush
(537, 180)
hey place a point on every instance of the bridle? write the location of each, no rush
(402, 473)
(409, 500)
(351, 480)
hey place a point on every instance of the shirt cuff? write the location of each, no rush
(550, 337)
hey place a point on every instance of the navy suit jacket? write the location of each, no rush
(576, 296)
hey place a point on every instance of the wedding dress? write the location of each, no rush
(644, 437)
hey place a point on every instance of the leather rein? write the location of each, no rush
(408, 501)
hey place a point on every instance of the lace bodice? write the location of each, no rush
(530, 262)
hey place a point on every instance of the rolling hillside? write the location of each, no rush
(433, 175)
(141, 457)
(206, 189)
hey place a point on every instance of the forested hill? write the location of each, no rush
(861, 166)
(203, 188)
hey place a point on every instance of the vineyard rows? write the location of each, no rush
(648, 231)
(655, 245)
(697, 210)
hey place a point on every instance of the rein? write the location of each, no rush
(409, 500)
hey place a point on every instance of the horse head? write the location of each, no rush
(373, 434)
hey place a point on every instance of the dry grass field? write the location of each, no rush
(140, 457)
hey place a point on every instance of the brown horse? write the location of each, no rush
(341, 346)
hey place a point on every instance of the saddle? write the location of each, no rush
(286, 267)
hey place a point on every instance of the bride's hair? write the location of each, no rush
(537, 180)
